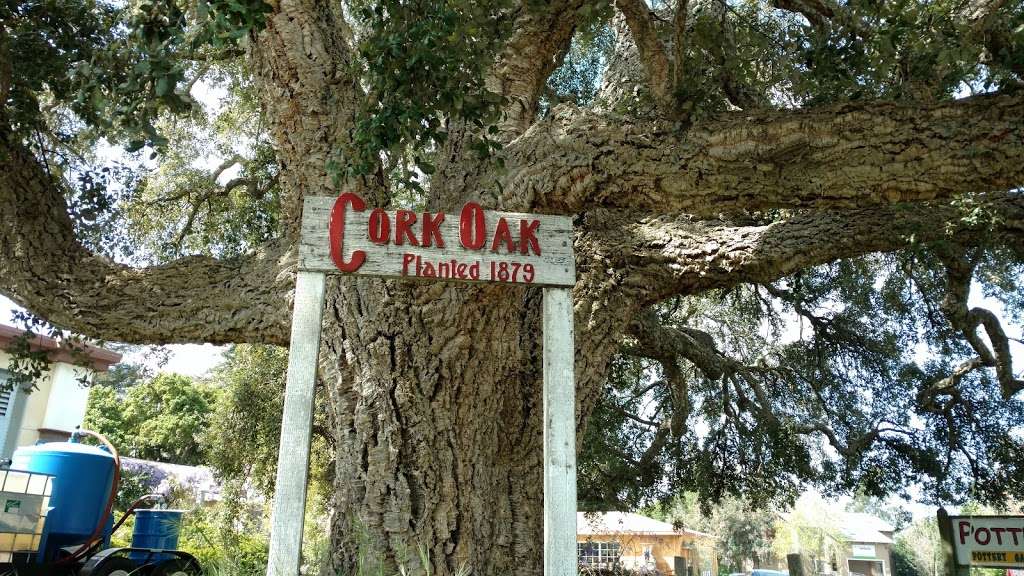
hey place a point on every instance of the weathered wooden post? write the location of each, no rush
(296, 426)
(795, 564)
(339, 236)
(946, 535)
(559, 435)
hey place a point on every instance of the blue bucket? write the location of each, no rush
(156, 530)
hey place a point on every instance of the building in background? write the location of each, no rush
(50, 412)
(635, 542)
(861, 545)
(869, 549)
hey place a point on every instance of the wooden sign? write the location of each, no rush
(992, 541)
(476, 245)
(340, 235)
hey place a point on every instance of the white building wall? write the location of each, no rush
(65, 406)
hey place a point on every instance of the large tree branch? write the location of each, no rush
(304, 65)
(541, 37)
(853, 155)
(654, 258)
(195, 299)
(542, 34)
(653, 55)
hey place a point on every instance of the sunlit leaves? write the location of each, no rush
(425, 65)
(162, 418)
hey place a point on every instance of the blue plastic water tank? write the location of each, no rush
(81, 486)
(156, 529)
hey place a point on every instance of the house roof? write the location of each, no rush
(100, 359)
(861, 527)
(593, 523)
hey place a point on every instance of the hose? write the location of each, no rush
(98, 531)
(131, 509)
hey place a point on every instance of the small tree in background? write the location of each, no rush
(741, 531)
(159, 419)
(812, 529)
(918, 550)
(246, 428)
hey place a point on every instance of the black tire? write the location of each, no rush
(116, 566)
(177, 567)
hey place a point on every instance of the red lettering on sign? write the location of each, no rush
(406, 260)
(380, 226)
(527, 237)
(503, 234)
(432, 229)
(472, 229)
(403, 228)
(999, 535)
(965, 530)
(1015, 532)
(336, 232)
(978, 533)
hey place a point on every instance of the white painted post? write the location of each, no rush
(296, 427)
(559, 434)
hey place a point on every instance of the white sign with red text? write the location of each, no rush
(343, 235)
(995, 541)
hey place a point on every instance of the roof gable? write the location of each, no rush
(593, 523)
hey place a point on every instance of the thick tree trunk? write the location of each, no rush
(436, 398)
(437, 413)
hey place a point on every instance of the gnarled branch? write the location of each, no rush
(846, 156)
(195, 299)
(968, 319)
(658, 257)
(543, 32)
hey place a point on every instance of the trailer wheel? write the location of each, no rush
(115, 567)
(178, 567)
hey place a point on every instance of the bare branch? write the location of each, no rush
(851, 155)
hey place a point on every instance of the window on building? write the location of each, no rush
(11, 410)
(5, 392)
(601, 554)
